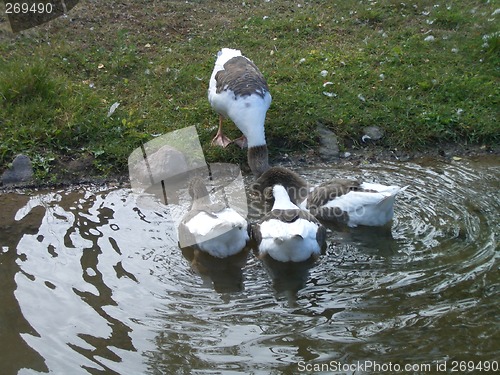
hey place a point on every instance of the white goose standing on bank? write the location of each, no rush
(288, 233)
(239, 91)
(211, 227)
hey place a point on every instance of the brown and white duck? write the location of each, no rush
(339, 200)
(212, 227)
(238, 90)
(288, 233)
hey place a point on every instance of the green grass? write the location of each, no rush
(58, 81)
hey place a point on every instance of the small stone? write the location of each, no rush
(373, 133)
(20, 172)
(329, 147)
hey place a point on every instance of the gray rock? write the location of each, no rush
(20, 172)
(329, 147)
(373, 133)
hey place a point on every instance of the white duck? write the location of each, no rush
(288, 233)
(353, 202)
(238, 90)
(339, 200)
(213, 228)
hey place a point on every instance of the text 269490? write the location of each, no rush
(17, 8)
(472, 366)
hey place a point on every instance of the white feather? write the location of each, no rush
(368, 208)
(282, 199)
(224, 55)
(248, 113)
(289, 242)
(393, 189)
(221, 236)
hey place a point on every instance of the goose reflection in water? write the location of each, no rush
(288, 278)
(213, 238)
(224, 274)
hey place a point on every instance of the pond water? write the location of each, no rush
(93, 282)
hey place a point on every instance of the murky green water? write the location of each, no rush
(92, 281)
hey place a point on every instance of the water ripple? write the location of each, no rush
(98, 284)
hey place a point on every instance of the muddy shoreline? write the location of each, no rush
(80, 172)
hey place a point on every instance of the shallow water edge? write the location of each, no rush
(93, 282)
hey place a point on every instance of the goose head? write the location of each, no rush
(296, 186)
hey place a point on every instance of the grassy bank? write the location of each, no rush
(426, 72)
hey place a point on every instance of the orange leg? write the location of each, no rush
(220, 138)
(241, 141)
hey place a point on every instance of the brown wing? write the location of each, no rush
(330, 190)
(241, 76)
(331, 214)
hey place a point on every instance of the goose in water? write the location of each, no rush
(288, 233)
(212, 227)
(339, 200)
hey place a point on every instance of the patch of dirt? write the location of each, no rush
(70, 172)
(374, 154)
